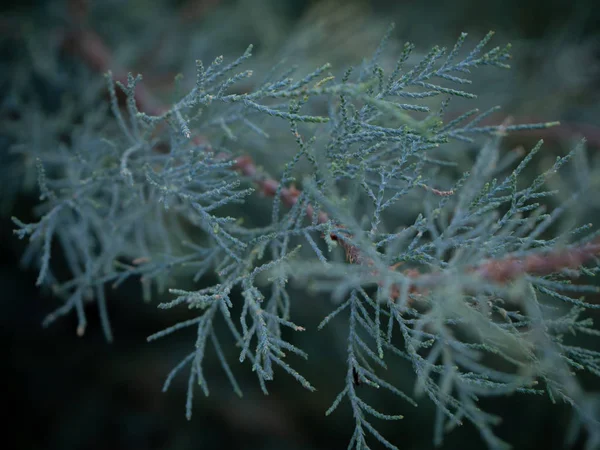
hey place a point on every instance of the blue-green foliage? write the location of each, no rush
(152, 196)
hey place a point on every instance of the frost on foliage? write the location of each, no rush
(150, 195)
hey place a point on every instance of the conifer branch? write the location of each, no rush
(97, 55)
(145, 193)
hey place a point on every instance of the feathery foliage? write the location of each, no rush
(470, 292)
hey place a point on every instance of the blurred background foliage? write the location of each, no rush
(65, 392)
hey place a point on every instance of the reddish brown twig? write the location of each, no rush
(508, 269)
(91, 48)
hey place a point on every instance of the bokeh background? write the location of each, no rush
(61, 391)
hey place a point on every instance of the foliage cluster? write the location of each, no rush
(466, 277)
